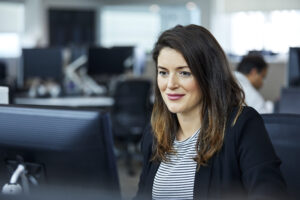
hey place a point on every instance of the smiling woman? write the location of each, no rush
(204, 143)
(179, 89)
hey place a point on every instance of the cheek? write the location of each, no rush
(191, 86)
(261, 82)
(258, 81)
(194, 89)
(161, 83)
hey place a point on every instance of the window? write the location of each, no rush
(141, 25)
(275, 31)
(129, 26)
(10, 45)
(12, 25)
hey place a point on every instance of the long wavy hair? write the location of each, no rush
(220, 92)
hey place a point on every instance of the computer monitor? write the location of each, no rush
(42, 63)
(63, 149)
(109, 61)
(289, 100)
(293, 68)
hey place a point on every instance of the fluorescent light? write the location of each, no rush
(191, 5)
(154, 8)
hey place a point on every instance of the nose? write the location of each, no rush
(172, 81)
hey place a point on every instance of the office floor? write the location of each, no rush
(128, 184)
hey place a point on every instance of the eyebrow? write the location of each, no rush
(180, 67)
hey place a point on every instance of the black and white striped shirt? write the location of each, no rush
(175, 179)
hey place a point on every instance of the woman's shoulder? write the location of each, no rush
(147, 140)
(248, 127)
(248, 119)
(246, 114)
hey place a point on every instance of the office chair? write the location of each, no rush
(284, 133)
(130, 114)
(290, 100)
(7, 81)
(2, 72)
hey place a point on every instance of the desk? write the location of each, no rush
(68, 101)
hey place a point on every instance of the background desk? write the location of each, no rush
(68, 101)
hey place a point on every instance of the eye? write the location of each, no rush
(185, 73)
(162, 73)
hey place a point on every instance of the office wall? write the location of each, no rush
(36, 26)
(34, 33)
(211, 13)
(265, 5)
(275, 80)
(36, 17)
(204, 5)
(11, 16)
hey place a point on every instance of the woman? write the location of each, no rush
(204, 143)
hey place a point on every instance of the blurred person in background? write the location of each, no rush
(251, 72)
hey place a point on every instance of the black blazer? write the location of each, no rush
(245, 167)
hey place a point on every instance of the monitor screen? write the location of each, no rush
(61, 148)
(43, 63)
(293, 73)
(289, 100)
(109, 61)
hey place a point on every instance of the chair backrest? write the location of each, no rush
(2, 71)
(284, 132)
(131, 108)
(290, 100)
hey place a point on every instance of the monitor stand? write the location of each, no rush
(26, 172)
(13, 187)
(79, 77)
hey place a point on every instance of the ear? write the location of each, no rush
(253, 71)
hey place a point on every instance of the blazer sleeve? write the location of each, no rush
(260, 166)
(146, 148)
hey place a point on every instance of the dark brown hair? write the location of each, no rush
(220, 92)
(252, 61)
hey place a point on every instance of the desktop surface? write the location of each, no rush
(96, 101)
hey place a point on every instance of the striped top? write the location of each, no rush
(175, 179)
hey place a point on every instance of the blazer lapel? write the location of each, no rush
(150, 178)
(202, 181)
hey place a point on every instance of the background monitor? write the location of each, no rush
(43, 63)
(289, 100)
(293, 73)
(64, 149)
(109, 61)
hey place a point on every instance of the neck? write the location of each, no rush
(188, 124)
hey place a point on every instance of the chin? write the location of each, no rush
(174, 112)
(174, 109)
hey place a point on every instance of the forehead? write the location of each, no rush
(169, 57)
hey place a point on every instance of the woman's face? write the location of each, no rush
(178, 87)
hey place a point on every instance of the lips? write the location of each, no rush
(174, 96)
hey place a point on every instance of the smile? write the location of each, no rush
(174, 96)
